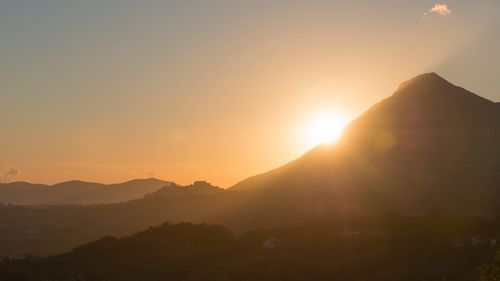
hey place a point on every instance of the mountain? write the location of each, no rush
(429, 145)
(77, 192)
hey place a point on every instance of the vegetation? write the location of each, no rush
(389, 247)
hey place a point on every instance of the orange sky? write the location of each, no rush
(109, 91)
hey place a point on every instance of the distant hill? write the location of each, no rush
(77, 192)
(198, 187)
(47, 229)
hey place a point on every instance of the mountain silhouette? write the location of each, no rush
(77, 192)
(429, 145)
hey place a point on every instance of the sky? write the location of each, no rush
(219, 90)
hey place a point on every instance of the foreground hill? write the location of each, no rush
(77, 192)
(374, 248)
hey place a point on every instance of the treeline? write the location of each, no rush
(389, 247)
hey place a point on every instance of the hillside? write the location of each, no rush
(43, 230)
(372, 248)
(430, 147)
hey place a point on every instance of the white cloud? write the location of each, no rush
(439, 9)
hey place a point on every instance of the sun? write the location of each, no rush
(324, 128)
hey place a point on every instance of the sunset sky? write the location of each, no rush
(215, 90)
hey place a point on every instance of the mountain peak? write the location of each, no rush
(429, 90)
(430, 79)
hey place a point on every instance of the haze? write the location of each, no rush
(218, 90)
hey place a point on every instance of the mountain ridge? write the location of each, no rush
(77, 192)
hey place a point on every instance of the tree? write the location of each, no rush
(489, 272)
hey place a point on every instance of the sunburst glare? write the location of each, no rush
(324, 128)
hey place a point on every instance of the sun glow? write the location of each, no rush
(324, 129)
